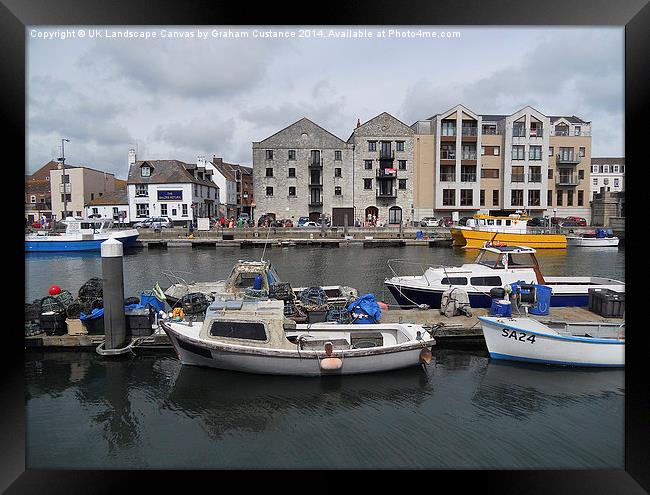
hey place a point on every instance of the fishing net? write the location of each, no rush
(51, 304)
(339, 315)
(65, 297)
(74, 309)
(251, 293)
(292, 311)
(91, 290)
(194, 303)
(313, 296)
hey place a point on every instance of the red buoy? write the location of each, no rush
(382, 305)
(54, 290)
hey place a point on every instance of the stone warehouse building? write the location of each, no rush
(303, 170)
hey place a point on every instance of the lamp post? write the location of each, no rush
(63, 176)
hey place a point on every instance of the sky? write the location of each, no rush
(174, 97)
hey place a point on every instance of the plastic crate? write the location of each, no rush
(139, 322)
(607, 303)
(53, 323)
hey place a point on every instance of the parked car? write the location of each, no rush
(446, 222)
(302, 220)
(557, 220)
(328, 222)
(463, 221)
(536, 222)
(429, 222)
(261, 222)
(288, 223)
(154, 223)
(569, 223)
(582, 222)
(309, 224)
(245, 217)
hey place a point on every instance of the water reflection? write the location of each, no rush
(520, 389)
(225, 401)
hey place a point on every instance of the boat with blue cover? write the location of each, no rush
(80, 235)
(495, 266)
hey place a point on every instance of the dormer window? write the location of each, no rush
(145, 171)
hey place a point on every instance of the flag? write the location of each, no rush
(158, 292)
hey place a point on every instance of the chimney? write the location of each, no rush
(358, 123)
(200, 160)
(131, 157)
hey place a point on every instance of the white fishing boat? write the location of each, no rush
(600, 238)
(242, 277)
(256, 337)
(495, 266)
(80, 235)
(559, 343)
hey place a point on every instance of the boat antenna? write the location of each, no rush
(268, 231)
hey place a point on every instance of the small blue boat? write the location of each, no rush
(80, 235)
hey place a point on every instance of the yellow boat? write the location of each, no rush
(509, 230)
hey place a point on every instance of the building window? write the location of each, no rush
(482, 150)
(559, 198)
(395, 215)
(448, 151)
(448, 197)
(535, 174)
(519, 129)
(517, 197)
(534, 197)
(615, 169)
(269, 154)
(549, 198)
(576, 130)
(401, 183)
(337, 156)
(550, 151)
(292, 172)
(183, 210)
(581, 198)
(142, 210)
(518, 152)
(367, 164)
(448, 128)
(594, 182)
(399, 145)
(401, 164)
(95, 211)
(292, 155)
(489, 173)
(269, 191)
(292, 191)
(581, 151)
(337, 191)
(144, 172)
(535, 153)
(550, 173)
(569, 198)
(141, 191)
(581, 174)
(337, 172)
(495, 197)
(616, 182)
(466, 197)
(372, 145)
(33, 199)
(594, 169)
(496, 150)
(269, 172)
(482, 197)
(163, 210)
(367, 183)
(66, 197)
(605, 169)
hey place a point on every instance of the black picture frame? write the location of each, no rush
(633, 14)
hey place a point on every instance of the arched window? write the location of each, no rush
(395, 215)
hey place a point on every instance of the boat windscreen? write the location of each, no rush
(272, 277)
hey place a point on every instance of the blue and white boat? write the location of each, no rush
(495, 266)
(557, 343)
(80, 235)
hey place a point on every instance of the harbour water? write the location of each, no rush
(463, 411)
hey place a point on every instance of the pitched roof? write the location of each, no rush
(492, 118)
(294, 132)
(165, 172)
(366, 129)
(607, 161)
(573, 119)
(118, 197)
(44, 171)
(120, 184)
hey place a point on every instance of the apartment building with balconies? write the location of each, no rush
(569, 155)
(383, 150)
(304, 170)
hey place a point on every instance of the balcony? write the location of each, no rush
(468, 177)
(447, 177)
(566, 180)
(315, 183)
(468, 155)
(487, 131)
(447, 155)
(536, 132)
(386, 154)
(316, 202)
(534, 177)
(567, 159)
(386, 173)
(315, 162)
(518, 178)
(386, 193)
(567, 133)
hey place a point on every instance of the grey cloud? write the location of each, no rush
(197, 135)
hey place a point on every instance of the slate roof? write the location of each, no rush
(165, 172)
(573, 119)
(608, 161)
(118, 197)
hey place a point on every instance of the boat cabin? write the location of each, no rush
(243, 275)
(509, 257)
(513, 223)
(87, 225)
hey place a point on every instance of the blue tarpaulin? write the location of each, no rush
(94, 314)
(365, 309)
(149, 298)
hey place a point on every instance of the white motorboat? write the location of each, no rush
(242, 277)
(80, 235)
(495, 266)
(592, 241)
(560, 343)
(255, 337)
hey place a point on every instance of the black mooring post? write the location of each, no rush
(113, 293)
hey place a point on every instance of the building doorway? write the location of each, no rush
(371, 218)
(314, 216)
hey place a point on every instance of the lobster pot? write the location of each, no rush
(53, 323)
(194, 303)
(91, 290)
(313, 296)
(250, 293)
(282, 291)
(340, 315)
(51, 304)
